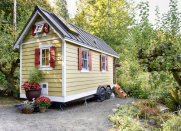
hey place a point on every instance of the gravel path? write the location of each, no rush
(74, 117)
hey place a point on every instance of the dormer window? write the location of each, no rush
(39, 28)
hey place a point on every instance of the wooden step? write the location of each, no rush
(120, 92)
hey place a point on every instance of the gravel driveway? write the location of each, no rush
(74, 117)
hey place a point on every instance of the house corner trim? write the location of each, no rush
(63, 68)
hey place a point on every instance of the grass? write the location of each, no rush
(8, 101)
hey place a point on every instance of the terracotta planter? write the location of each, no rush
(27, 111)
(33, 93)
(42, 110)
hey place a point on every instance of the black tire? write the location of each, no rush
(102, 94)
(108, 92)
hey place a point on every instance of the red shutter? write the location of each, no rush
(52, 56)
(106, 63)
(90, 60)
(46, 28)
(80, 59)
(101, 62)
(37, 57)
(33, 30)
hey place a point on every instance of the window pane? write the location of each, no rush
(104, 65)
(43, 61)
(47, 61)
(43, 53)
(83, 64)
(47, 52)
(39, 28)
(83, 54)
(86, 64)
(103, 58)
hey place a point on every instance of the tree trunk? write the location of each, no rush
(176, 75)
(10, 80)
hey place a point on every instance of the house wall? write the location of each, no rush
(53, 77)
(79, 82)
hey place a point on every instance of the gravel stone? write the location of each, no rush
(74, 117)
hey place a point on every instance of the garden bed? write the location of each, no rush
(145, 115)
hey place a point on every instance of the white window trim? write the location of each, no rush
(104, 71)
(83, 69)
(44, 47)
(41, 84)
(39, 34)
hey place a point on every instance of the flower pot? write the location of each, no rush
(33, 93)
(42, 110)
(27, 111)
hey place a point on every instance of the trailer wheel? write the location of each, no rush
(108, 92)
(101, 93)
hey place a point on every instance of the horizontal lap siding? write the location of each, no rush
(53, 77)
(77, 82)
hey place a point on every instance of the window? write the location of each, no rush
(45, 57)
(84, 60)
(39, 28)
(103, 63)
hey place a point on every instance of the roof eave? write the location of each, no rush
(89, 47)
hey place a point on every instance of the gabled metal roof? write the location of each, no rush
(82, 37)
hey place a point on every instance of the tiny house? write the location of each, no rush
(74, 62)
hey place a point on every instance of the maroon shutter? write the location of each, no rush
(80, 59)
(37, 57)
(106, 63)
(101, 62)
(52, 56)
(33, 30)
(90, 60)
(46, 28)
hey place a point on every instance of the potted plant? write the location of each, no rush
(43, 103)
(27, 107)
(32, 87)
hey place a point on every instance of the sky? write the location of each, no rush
(162, 4)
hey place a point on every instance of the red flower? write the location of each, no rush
(29, 86)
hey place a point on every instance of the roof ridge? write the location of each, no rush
(43, 9)
(87, 32)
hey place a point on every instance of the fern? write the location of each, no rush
(174, 101)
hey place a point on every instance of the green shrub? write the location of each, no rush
(173, 124)
(35, 75)
(125, 123)
(132, 111)
(136, 91)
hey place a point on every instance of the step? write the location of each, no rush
(120, 92)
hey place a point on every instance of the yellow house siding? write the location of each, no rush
(79, 82)
(53, 77)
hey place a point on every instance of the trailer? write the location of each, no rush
(75, 63)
